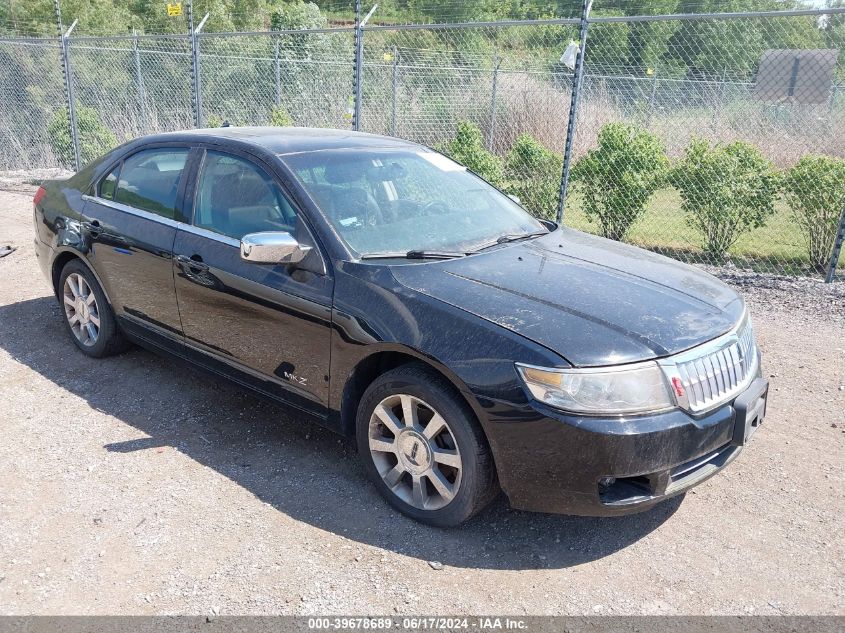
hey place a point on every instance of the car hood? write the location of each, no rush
(593, 301)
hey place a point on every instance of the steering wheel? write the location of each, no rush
(435, 206)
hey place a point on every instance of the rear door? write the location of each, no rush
(269, 325)
(131, 220)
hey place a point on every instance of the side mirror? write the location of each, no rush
(272, 247)
(514, 198)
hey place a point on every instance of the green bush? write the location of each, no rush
(726, 190)
(467, 148)
(213, 120)
(532, 173)
(95, 138)
(619, 177)
(280, 117)
(815, 190)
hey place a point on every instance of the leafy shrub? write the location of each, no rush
(815, 190)
(467, 148)
(280, 117)
(619, 177)
(726, 190)
(95, 138)
(532, 173)
(213, 120)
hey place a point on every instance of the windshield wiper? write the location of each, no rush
(415, 254)
(515, 237)
(510, 237)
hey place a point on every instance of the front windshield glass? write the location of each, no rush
(395, 201)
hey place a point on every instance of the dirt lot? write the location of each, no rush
(134, 485)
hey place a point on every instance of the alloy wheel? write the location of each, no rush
(81, 309)
(415, 452)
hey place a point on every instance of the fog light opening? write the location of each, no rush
(606, 482)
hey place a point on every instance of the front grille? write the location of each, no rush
(717, 371)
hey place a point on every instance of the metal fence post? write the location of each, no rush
(359, 61)
(357, 71)
(491, 138)
(139, 83)
(196, 80)
(720, 101)
(395, 82)
(277, 73)
(837, 249)
(573, 109)
(70, 99)
(651, 98)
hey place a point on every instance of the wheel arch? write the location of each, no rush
(383, 360)
(62, 259)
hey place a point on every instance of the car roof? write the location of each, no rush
(287, 140)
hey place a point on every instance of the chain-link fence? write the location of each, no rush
(714, 139)
(725, 126)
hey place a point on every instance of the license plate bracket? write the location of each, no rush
(750, 408)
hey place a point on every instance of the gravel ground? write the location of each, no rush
(134, 485)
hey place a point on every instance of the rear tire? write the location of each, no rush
(88, 316)
(423, 447)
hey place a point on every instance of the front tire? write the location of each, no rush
(88, 315)
(423, 447)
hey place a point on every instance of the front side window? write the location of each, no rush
(149, 180)
(234, 197)
(395, 201)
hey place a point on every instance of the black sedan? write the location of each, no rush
(395, 297)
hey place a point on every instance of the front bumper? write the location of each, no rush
(549, 461)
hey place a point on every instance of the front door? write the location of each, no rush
(131, 220)
(269, 324)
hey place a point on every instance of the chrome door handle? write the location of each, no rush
(196, 265)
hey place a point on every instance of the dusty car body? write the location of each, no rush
(578, 374)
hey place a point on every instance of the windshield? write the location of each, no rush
(395, 201)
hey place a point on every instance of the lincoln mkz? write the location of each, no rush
(390, 294)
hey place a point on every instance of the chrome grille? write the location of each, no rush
(715, 372)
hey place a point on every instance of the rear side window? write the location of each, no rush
(109, 184)
(149, 180)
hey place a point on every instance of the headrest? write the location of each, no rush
(385, 173)
(339, 173)
(241, 190)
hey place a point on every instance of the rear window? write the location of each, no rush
(149, 180)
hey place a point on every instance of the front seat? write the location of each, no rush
(346, 200)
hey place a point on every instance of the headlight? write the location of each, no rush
(626, 389)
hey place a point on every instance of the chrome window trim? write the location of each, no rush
(176, 224)
(119, 206)
(211, 235)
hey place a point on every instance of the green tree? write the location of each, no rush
(532, 173)
(618, 177)
(298, 15)
(467, 148)
(726, 190)
(815, 190)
